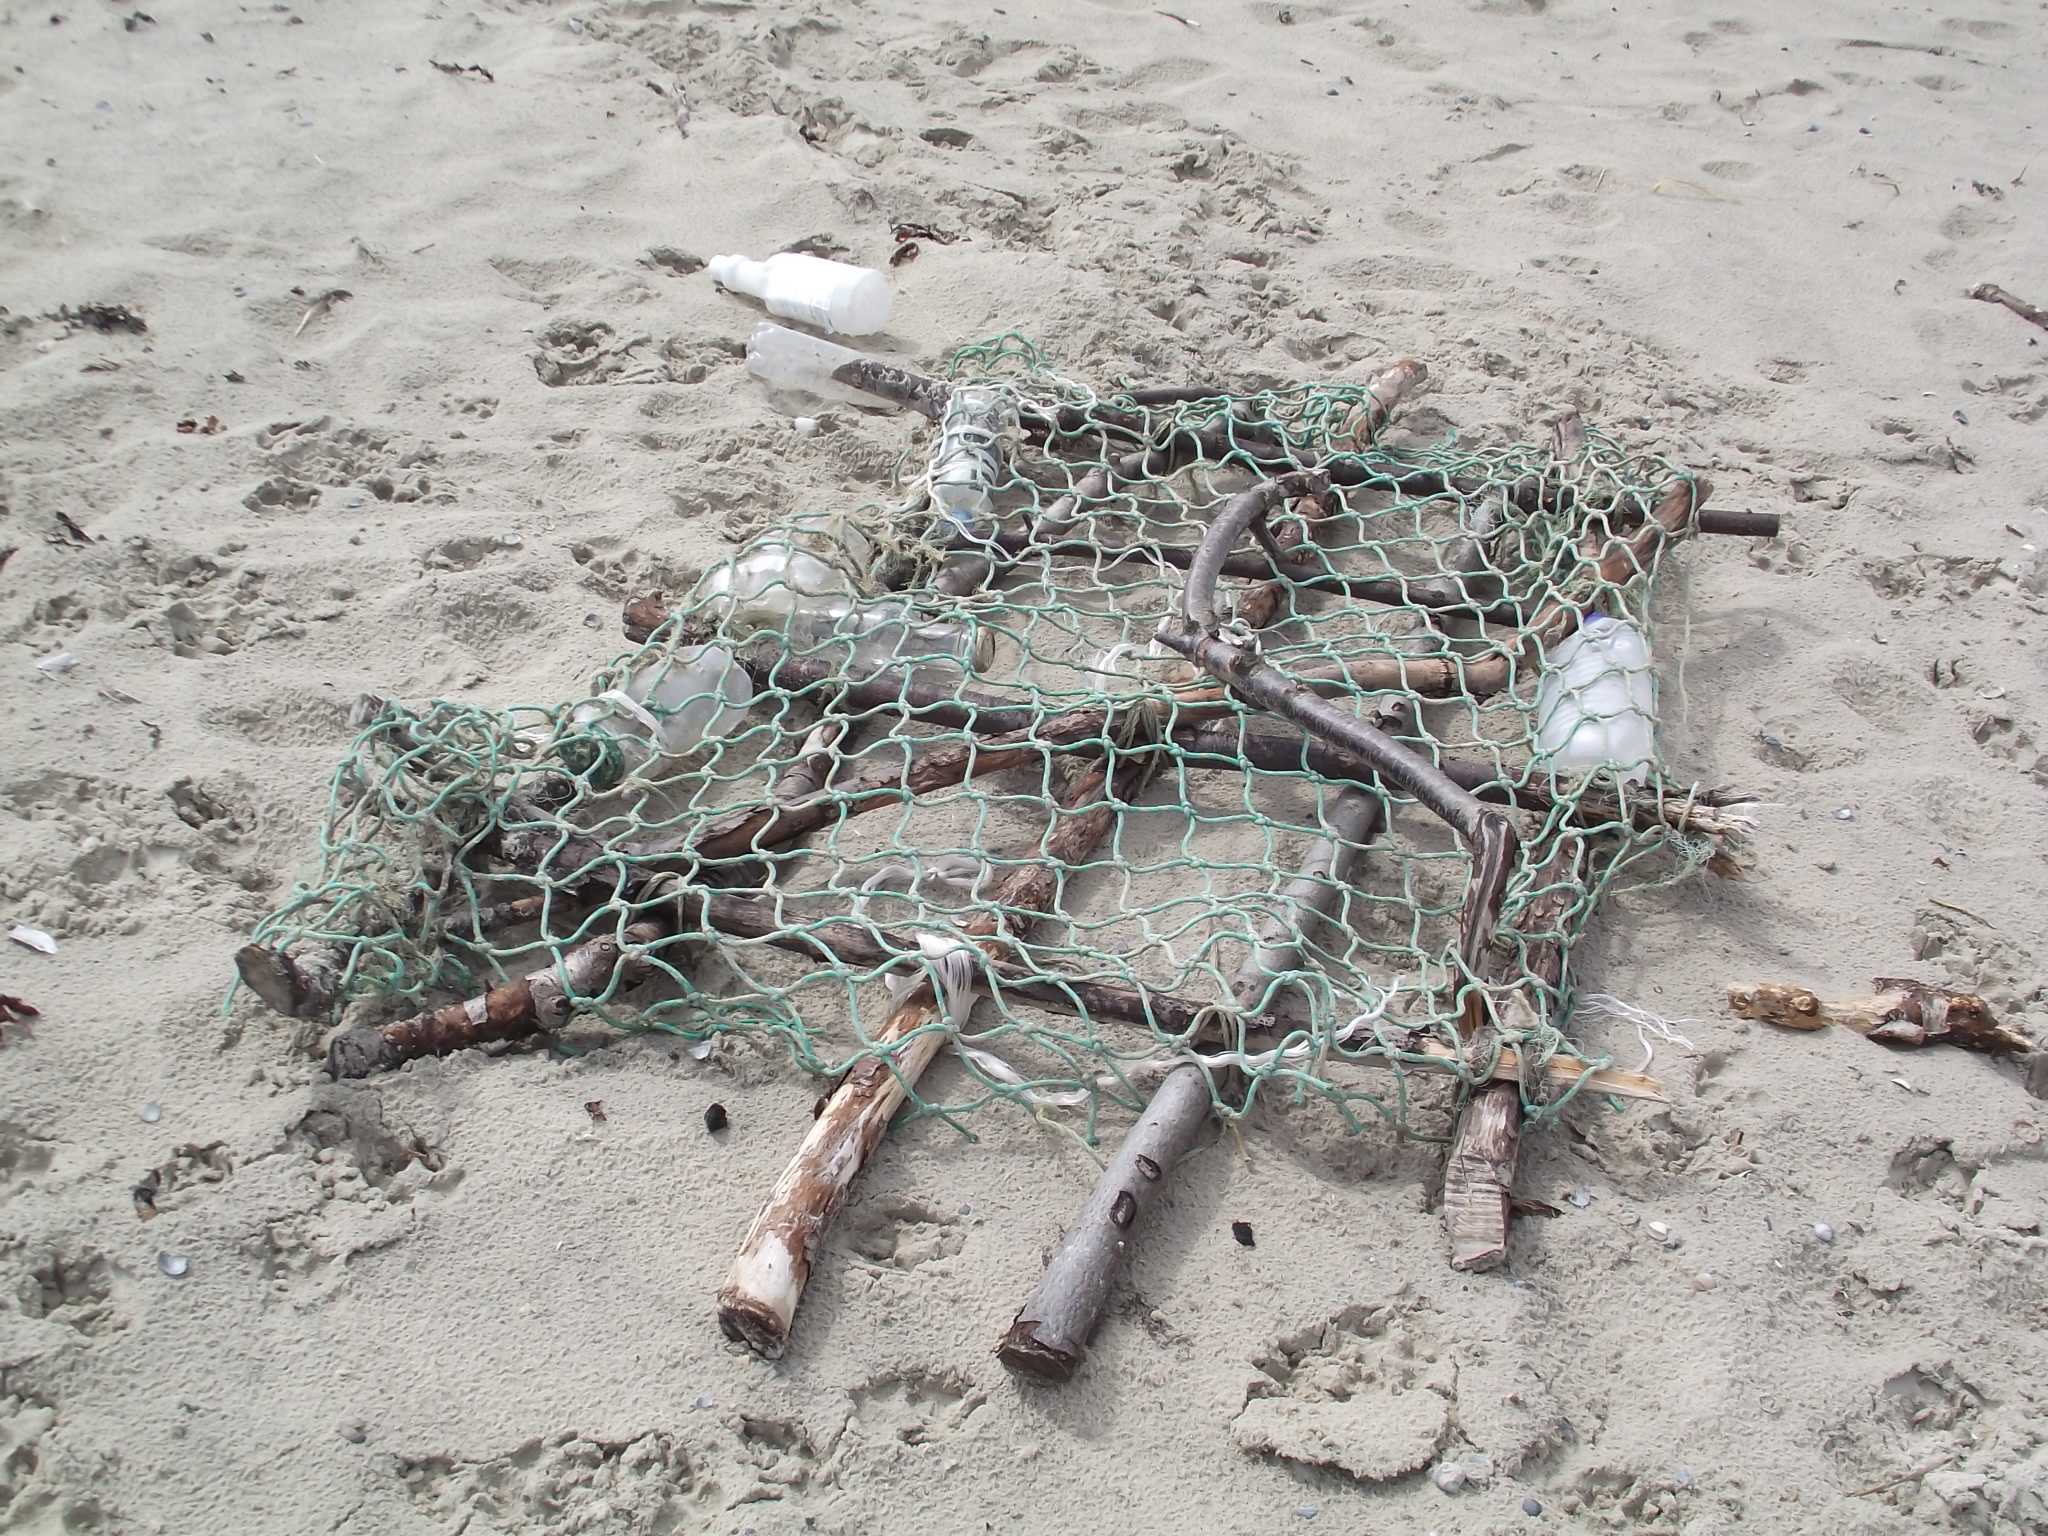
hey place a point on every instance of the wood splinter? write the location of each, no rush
(1900, 1012)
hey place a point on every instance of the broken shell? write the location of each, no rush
(173, 1264)
(1449, 1478)
(1659, 1231)
(1823, 1233)
(151, 1112)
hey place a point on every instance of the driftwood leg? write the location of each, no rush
(1309, 898)
(1479, 1177)
(757, 1304)
(1049, 1339)
(1479, 1174)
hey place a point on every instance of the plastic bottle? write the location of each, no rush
(871, 636)
(1596, 706)
(669, 707)
(972, 454)
(786, 359)
(815, 557)
(851, 301)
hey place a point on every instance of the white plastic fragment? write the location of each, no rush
(700, 1050)
(804, 426)
(56, 664)
(33, 938)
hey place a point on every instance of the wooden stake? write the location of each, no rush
(758, 1301)
(1049, 1339)
(1904, 1013)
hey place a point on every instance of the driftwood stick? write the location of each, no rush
(1050, 1335)
(758, 1301)
(1309, 898)
(1991, 293)
(1903, 1013)
(812, 768)
(519, 1008)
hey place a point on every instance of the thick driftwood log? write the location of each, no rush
(1479, 1177)
(758, 1301)
(1050, 1336)
(1904, 1013)
(535, 1002)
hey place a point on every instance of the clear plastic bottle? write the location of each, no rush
(1596, 705)
(669, 707)
(867, 637)
(786, 359)
(815, 557)
(835, 297)
(972, 454)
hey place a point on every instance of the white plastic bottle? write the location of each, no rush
(1596, 706)
(972, 454)
(850, 301)
(786, 359)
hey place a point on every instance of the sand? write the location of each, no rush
(448, 1300)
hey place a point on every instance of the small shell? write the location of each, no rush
(1823, 1233)
(173, 1264)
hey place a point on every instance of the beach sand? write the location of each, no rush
(449, 1300)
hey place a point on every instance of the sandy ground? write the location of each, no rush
(1743, 234)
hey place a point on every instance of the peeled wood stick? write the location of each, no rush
(815, 760)
(758, 1301)
(1050, 1335)
(536, 1001)
(1905, 1013)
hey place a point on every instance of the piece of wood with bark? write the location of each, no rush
(1901, 1012)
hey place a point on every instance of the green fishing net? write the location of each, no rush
(615, 801)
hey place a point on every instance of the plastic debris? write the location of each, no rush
(56, 664)
(33, 938)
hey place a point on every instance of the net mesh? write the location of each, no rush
(466, 845)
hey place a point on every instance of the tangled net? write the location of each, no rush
(464, 846)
